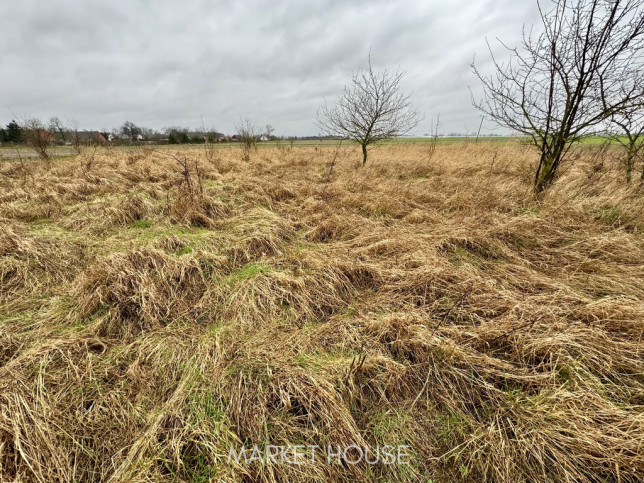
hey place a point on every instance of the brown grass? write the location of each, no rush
(154, 312)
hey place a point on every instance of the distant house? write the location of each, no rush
(263, 138)
(38, 136)
(67, 138)
(99, 138)
(46, 135)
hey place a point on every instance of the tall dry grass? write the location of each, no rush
(153, 313)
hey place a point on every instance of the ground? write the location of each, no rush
(160, 307)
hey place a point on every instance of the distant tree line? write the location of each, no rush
(61, 133)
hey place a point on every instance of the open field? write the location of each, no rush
(13, 153)
(152, 315)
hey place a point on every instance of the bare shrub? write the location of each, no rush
(37, 137)
(431, 145)
(191, 205)
(630, 136)
(190, 183)
(74, 137)
(24, 169)
(89, 156)
(334, 160)
(248, 135)
(210, 150)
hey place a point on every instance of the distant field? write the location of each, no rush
(154, 315)
(11, 152)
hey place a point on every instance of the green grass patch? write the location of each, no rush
(610, 215)
(473, 254)
(529, 210)
(142, 224)
(250, 270)
(452, 428)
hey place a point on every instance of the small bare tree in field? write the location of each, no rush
(371, 109)
(248, 135)
(37, 137)
(566, 82)
(209, 142)
(210, 149)
(433, 142)
(74, 137)
(24, 170)
(56, 126)
(269, 131)
(629, 133)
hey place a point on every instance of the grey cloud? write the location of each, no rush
(161, 63)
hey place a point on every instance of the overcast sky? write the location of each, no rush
(161, 63)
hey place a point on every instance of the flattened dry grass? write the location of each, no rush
(153, 315)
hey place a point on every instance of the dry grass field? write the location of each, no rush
(153, 314)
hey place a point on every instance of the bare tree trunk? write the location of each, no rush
(364, 154)
(478, 133)
(630, 161)
(546, 172)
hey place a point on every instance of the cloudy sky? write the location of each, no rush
(161, 63)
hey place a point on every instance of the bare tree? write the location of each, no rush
(174, 130)
(564, 83)
(147, 133)
(56, 126)
(37, 137)
(371, 109)
(248, 135)
(433, 142)
(269, 131)
(629, 133)
(627, 129)
(75, 139)
(209, 140)
(130, 131)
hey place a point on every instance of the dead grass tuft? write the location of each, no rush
(140, 290)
